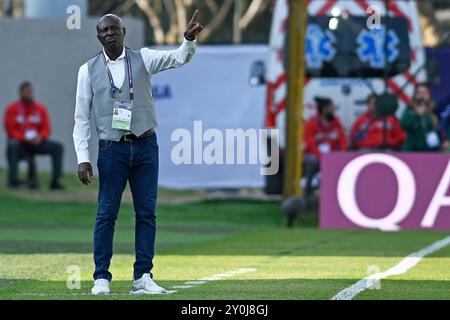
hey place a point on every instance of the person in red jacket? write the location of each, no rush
(323, 133)
(368, 133)
(28, 127)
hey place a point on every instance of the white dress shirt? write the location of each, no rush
(154, 60)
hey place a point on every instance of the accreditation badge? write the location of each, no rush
(432, 139)
(122, 115)
(30, 135)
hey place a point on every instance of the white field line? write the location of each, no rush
(185, 285)
(191, 284)
(404, 266)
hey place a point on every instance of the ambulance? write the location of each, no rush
(353, 48)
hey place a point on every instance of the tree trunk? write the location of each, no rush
(255, 7)
(217, 21)
(181, 16)
(17, 8)
(433, 31)
(153, 20)
(237, 34)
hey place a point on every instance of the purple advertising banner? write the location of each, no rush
(385, 191)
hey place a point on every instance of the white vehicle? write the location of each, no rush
(348, 93)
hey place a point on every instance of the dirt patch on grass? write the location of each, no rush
(90, 196)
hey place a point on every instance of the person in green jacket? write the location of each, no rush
(419, 123)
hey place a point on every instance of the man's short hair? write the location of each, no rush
(322, 102)
(371, 96)
(24, 85)
(422, 84)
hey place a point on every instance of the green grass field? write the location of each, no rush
(40, 238)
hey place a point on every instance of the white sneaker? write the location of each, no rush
(101, 286)
(146, 285)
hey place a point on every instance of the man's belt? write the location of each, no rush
(133, 137)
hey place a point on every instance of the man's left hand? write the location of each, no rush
(36, 141)
(194, 27)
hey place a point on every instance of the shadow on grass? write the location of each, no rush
(206, 228)
(270, 289)
(291, 289)
(264, 242)
(34, 247)
(77, 192)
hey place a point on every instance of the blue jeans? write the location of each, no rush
(119, 162)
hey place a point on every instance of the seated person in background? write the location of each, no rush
(419, 122)
(27, 125)
(323, 134)
(368, 132)
(443, 111)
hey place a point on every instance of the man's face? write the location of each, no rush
(110, 32)
(26, 94)
(423, 94)
(328, 112)
(371, 104)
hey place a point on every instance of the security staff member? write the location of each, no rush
(27, 124)
(372, 132)
(114, 86)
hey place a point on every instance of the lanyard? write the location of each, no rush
(24, 115)
(130, 76)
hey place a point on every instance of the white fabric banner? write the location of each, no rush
(214, 89)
